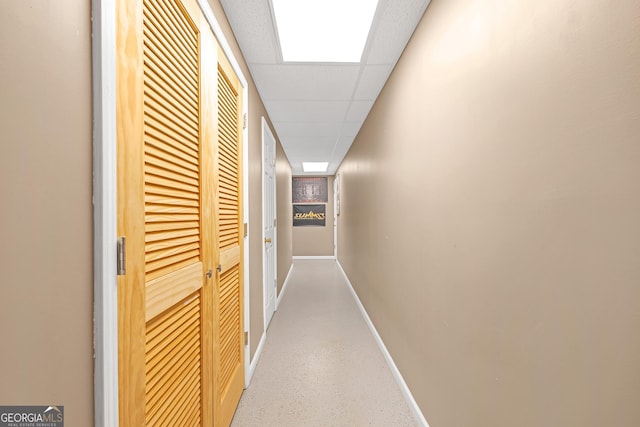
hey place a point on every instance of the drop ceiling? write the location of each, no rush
(317, 109)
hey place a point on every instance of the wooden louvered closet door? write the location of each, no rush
(228, 299)
(166, 91)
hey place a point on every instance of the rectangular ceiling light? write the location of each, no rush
(323, 30)
(315, 166)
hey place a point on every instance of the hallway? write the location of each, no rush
(320, 364)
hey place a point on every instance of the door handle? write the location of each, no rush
(267, 240)
(209, 274)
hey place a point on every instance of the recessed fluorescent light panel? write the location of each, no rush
(323, 30)
(315, 166)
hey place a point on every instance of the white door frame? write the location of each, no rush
(103, 13)
(336, 204)
(268, 281)
(105, 283)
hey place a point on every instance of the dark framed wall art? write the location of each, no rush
(305, 215)
(309, 189)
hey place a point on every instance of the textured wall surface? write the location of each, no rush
(490, 213)
(46, 258)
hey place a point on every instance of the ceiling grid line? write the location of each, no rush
(317, 109)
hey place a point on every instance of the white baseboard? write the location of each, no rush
(284, 287)
(314, 257)
(254, 361)
(415, 409)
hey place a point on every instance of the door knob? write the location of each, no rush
(209, 273)
(267, 240)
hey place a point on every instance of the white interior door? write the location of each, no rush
(269, 221)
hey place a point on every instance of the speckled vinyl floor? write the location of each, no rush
(320, 365)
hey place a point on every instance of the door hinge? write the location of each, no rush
(246, 338)
(121, 263)
(275, 222)
(244, 121)
(245, 229)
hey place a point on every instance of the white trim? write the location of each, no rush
(105, 283)
(247, 291)
(314, 257)
(415, 409)
(254, 362)
(284, 287)
(217, 31)
(336, 203)
(245, 204)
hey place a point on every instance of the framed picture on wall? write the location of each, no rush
(305, 215)
(309, 189)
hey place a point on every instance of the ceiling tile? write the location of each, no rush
(297, 129)
(253, 28)
(396, 25)
(350, 129)
(311, 154)
(342, 146)
(300, 82)
(316, 143)
(307, 111)
(358, 110)
(372, 81)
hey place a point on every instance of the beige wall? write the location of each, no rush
(284, 212)
(46, 307)
(490, 213)
(313, 240)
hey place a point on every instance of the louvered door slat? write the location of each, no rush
(175, 206)
(170, 370)
(172, 100)
(161, 168)
(160, 110)
(160, 19)
(173, 143)
(170, 258)
(159, 332)
(167, 44)
(163, 235)
(172, 8)
(229, 164)
(161, 199)
(179, 27)
(178, 225)
(187, 191)
(170, 158)
(183, 390)
(187, 335)
(165, 83)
